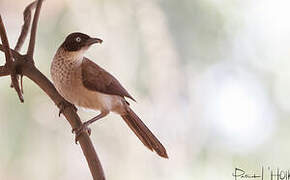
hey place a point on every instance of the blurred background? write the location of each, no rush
(211, 78)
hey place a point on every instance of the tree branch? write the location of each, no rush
(5, 45)
(15, 54)
(9, 60)
(70, 114)
(24, 64)
(23, 35)
(31, 45)
(25, 26)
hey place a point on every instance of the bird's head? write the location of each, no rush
(78, 42)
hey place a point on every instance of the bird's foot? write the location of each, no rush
(63, 105)
(82, 129)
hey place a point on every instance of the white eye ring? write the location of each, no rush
(78, 39)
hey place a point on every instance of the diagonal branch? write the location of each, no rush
(5, 42)
(14, 53)
(25, 26)
(9, 60)
(23, 34)
(25, 66)
(29, 70)
(70, 114)
(31, 45)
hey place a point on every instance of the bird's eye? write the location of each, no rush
(78, 39)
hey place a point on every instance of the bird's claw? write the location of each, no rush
(63, 105)
(82, 129)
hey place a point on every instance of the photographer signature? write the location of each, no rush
(264, 174)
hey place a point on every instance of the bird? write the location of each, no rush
(85, 84)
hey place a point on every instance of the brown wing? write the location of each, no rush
(96, 78)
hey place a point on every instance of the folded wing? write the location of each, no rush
(96, 78)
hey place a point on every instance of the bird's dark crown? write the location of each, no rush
(75, 41)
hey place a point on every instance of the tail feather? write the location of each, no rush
(144, 134)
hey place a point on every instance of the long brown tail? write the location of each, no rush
(143, 133)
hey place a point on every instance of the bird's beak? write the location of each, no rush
(93, 41)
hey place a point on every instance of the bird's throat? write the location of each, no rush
(75, 57)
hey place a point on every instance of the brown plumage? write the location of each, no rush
(143, 133)
(96, 78)
(84, 83)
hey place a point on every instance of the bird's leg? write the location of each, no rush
(84, 127)
(64, 104)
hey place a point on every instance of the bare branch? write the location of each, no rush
(5, 42)
(23, 34)
(70, 114)
(25, 26)
(9, 60)
(15, 54)
(25, 66)
(31, 45)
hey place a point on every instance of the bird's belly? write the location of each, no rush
(91, 99)
(79, 95)
(68, 82)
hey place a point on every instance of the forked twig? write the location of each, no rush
(23, 35)
(31, 45)
(15, 54)
(9, 60)
(25, 26)
(25, 66)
